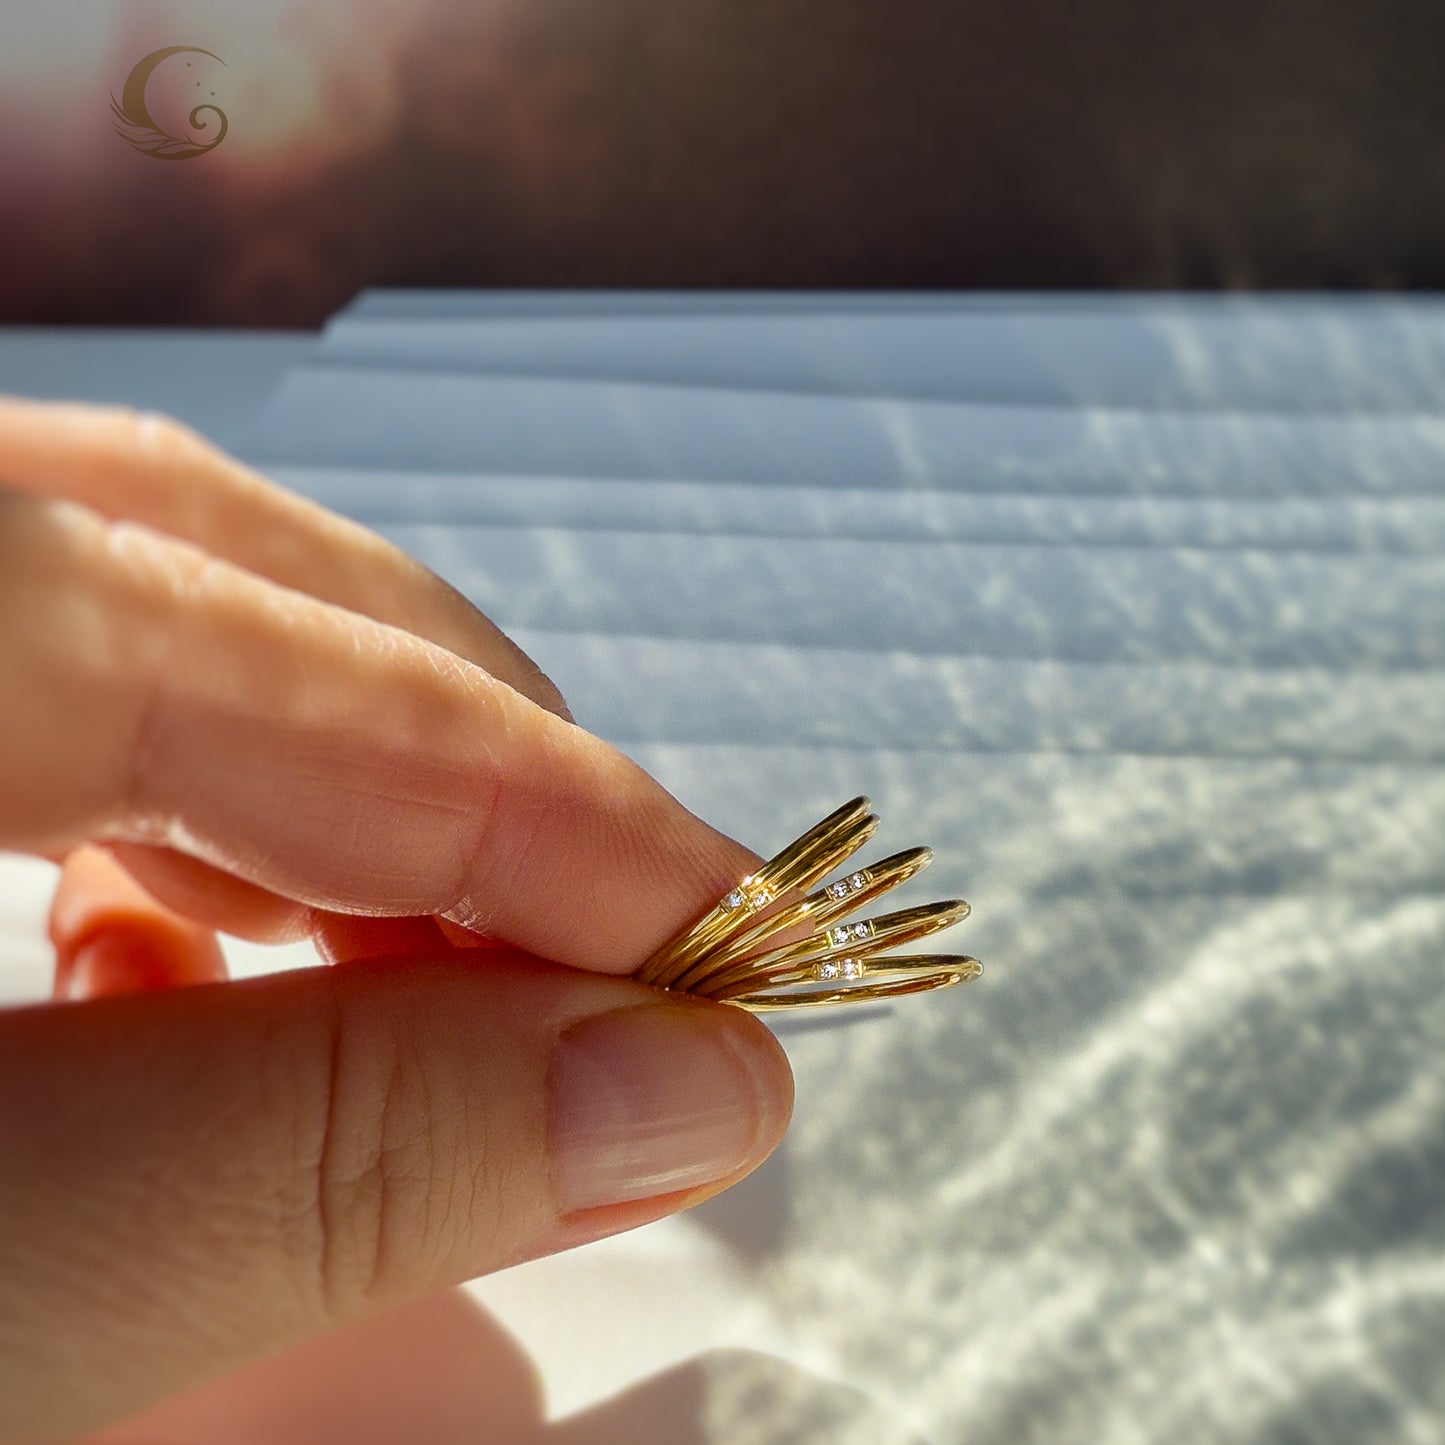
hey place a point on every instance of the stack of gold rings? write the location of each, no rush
(757, 950)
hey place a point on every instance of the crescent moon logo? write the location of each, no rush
(135, 124)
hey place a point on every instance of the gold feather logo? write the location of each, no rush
(135, 124)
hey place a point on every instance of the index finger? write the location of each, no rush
(149, 468)
(336, 760)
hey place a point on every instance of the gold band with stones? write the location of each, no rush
(924, 980)
(801, 864)
(722, 955)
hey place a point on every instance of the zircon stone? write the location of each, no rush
(827, 970)
(735, 899)
(852, 968)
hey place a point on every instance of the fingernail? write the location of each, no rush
(656, 1098)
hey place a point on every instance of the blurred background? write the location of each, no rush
(812, 143)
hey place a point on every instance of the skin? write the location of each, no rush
(228, 709)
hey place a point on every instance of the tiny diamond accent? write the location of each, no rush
(853, 883)
(749, 895)
(834, 968)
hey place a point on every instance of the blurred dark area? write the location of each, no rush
(797, 143)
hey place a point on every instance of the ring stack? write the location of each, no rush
(762, 946)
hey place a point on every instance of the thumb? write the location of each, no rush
(198, 1177)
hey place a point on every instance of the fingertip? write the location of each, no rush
(136, 957)
(90, 882)
(663, 1099)
(112, 937)
(772, 1073)
(700, 1153)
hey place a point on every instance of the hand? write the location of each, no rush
(279, 725)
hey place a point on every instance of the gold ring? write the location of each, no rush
(761, 947)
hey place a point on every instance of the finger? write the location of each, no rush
(149, 468)
(154, 470)
(211, 896)
(161, 696)
(112, 937)
(191, 889)
(215, 899)
(199, 1177)
(107, 931)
